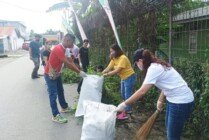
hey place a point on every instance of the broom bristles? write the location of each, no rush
(144, 131)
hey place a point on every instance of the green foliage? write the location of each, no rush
(111, 90)
(186, 5)
(197, 78)
(205, 98)
(69, 76)
(204, 104)
(149, 100)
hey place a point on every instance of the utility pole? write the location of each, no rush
(170, 30)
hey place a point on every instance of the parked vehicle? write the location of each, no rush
(25, 45)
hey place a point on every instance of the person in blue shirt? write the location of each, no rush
(34, 51)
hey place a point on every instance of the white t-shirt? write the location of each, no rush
(170, 82)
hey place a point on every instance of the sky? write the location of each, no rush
(32, 13)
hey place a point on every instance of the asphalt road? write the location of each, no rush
(25, 113)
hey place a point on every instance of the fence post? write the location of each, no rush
(170, 30)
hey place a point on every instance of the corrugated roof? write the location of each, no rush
(6, 31)
(190, 15)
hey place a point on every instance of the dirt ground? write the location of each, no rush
(126, 130)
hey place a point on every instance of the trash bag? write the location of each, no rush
(99, 121)
(91, 89)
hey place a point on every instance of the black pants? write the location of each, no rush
(85, 67)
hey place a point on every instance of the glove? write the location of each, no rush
(121, 107)
(80, 64)
(83, 74)
(159, 105)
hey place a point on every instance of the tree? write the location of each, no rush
(32, 34)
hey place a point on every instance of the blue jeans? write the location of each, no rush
(176, 116)
(55, 88)
(127, 87)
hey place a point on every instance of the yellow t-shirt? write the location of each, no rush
(124, 63)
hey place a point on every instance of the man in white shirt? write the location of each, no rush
(74, 54)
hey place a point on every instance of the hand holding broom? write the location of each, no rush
(144, 131)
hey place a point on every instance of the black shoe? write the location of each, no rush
(40, 75)
(34, 77)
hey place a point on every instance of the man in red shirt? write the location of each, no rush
(53, 79)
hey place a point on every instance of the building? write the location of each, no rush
(51, 39)
(10, 39)
(12, 35)
(17, 24)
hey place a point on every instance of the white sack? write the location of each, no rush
(99, 121)
(91, 89)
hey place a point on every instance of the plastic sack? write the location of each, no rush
(99, 121)
(91, 89)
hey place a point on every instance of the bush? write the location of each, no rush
(197, 78)
(69, 76)
(149, 101)
(111, 90)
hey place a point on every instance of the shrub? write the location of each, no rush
(111, 90)
(196, 76)
(69, 76)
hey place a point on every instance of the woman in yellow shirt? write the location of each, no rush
(121, 66)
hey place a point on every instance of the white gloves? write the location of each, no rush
(159, 105)
(80, 64)
(121, 107)
(83, 74)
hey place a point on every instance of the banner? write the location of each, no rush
(107, 9)
(80, 28)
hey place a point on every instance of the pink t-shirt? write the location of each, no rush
(75, 51)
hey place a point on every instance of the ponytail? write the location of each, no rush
(148, 58)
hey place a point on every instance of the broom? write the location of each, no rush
(144, 131)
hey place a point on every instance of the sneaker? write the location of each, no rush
(66, 110)
(122, 116)
(59, 119)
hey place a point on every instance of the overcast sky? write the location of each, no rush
(32, 13)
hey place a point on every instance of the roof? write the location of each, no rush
(50, 38)
(6, 31)
(8, 21)
(191, 15)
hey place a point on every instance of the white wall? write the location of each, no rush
(6, 44)
(16, 42)
(20, 41)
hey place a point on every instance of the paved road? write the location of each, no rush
(24, 105)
